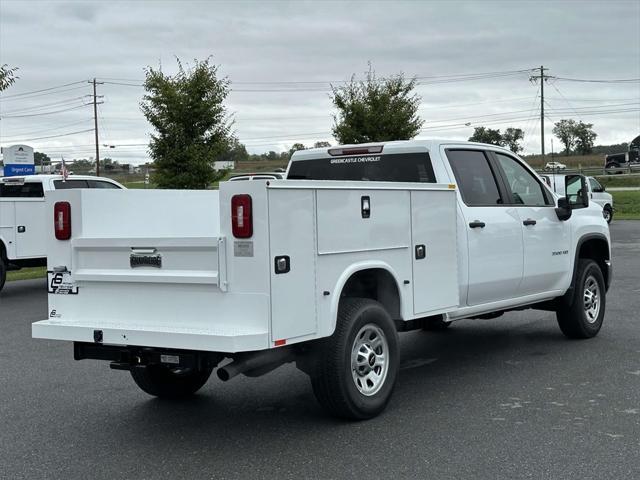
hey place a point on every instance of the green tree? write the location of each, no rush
(585, 137)
(7, 76)
(511, 139)
(376, 110)
(191, 124)
(486, 135)
(40, 158)
(236, 152)
(321, 145)
(565, 130)
(295, 147)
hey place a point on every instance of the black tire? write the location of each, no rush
(576, 320)
(435, 325)
(164, 382)
(3, 272)
(607, 213)
(363, 322)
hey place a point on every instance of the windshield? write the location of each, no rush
(401, 167)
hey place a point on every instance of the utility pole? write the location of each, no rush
(95, 123)
(543, 78)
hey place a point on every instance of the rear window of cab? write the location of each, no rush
(400, 167)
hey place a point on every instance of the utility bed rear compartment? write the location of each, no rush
(163, 269)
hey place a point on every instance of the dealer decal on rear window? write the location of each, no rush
(61, 283)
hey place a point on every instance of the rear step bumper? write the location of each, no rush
(226, 339)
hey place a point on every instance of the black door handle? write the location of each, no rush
(477, 224)
(529, 221)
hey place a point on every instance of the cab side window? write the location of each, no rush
(475, 178)
(524, 187)
(102, 184)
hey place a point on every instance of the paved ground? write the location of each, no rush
(506, 398)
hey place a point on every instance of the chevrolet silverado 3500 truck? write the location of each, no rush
(323, 268)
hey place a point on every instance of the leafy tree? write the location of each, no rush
(7, 76)
(565, 130)
(376, 110)
(295, 147)
(321, 145)
(191, 125)
(511, 139)
(585, 137)
(236, 152)
(40, 158)
(486, 135)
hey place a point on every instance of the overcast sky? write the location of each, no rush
(56, 43)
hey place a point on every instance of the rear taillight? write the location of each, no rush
(241, 216)
(62, 220)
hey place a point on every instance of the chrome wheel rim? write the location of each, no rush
(369, 359)
(591, 299)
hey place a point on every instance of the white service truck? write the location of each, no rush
(323, 268)
(24, 220)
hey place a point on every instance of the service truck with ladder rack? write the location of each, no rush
(323, 268)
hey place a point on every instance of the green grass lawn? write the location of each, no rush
(27, 274)
(626, 205)
(619, 180)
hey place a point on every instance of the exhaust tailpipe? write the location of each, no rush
(254, 364)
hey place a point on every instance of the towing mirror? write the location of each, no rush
(563, 210)
(577, 191)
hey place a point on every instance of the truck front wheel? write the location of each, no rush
(165, 382)
(357, 366)
(583, 317)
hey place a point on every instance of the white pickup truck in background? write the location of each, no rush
(324, 268)
(24, 222)
(597, 192)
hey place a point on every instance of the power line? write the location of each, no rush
(583, 80)
(42, 90)
(2, 99)
(45, 113)
(23, 134)
(49, 136)
(58, 103)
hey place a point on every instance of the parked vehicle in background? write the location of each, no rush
(597, 193)
(555, 166)
(24, 222)
(322, 269)
(621, 163)
(258, 176)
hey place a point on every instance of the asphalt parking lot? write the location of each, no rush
(504, 398)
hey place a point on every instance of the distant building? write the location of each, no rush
(224, 165)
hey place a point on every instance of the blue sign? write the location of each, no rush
(19, 169)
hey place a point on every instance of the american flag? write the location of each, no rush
(65, 172)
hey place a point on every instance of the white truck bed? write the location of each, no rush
(216, 293)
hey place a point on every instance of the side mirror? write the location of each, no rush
(563, 210)
(575, 187)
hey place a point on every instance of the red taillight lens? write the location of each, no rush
(62, 220)
(241, 216)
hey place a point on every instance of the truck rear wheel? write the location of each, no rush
(3, 273)
(165, 382)
(607, 213)
(357, 366)
(583, 318)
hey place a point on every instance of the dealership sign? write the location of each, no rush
(18, 160)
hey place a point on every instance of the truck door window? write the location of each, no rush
(525, 188)
(24, 190)
(595, 185)
(398, 167)
(69, 184)
(475, 178)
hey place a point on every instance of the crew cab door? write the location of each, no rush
(545, 238)
(28, 219)
(493, 230)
